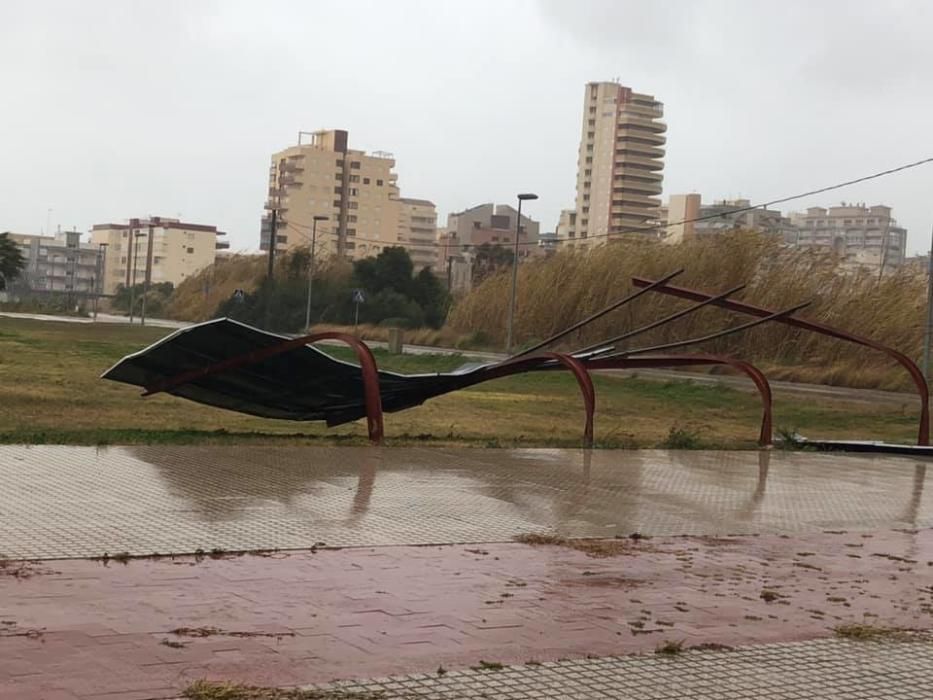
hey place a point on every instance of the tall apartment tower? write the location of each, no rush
(355, 190)
(620, 165)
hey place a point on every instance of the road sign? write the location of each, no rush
(358, 297)
(239, 295)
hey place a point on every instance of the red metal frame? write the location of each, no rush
(923, 433)
(765, 434)
(371, 395)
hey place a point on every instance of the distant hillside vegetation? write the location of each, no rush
(197, 298)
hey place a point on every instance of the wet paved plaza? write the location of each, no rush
(61, 502)
(764, 552)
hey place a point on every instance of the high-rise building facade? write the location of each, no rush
(160, 248)
(59, 263)
(620, 165)
(862, 236)
(417, 230)
(356, 191)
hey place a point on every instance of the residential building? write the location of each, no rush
(863, 236)
(620, 165)
(356, 191)
(490, 223)
(417, 231)
(165, 249)
(678, 215)
(59, 263)
(547, 245)
(682, 211)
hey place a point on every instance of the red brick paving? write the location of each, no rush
(79, 629)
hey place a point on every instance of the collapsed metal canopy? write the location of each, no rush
(228, 364)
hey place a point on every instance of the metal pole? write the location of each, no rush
(148, 275)
(134, 237)
(310, 271)
(518, 228)
(928, 331)
(356, 318)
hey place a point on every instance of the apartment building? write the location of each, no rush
(417, 231)
(619, 167)
(490, 223)
(356, 191)
(162, 248)
(863, 236)
(59, 263)
(679, 218)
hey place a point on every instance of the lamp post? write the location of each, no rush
(101, 267)
(518, 228)
(311, 267)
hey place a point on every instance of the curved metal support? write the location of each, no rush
(585, 382)
(923, 432)
(518, 365)
(371, 396)
(756, 375)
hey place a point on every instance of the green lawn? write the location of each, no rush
(50, 392)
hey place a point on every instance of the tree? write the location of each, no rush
(12, 261)
(489, 259)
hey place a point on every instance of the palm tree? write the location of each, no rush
(12, 261)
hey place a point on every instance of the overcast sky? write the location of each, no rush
(118, 109)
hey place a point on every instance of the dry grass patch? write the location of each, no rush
(870, 633)
(211, 690)
(591, 547)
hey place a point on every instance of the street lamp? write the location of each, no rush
(101, 267)
(518, 228)
(311, 266)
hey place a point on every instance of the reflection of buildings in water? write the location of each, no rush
(553, 487)
(224, 483)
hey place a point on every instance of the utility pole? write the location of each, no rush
(314, 221)
(134, 254)
(273, 239)
(518, 230)
(928, 330)
(101, 268)
(148, 276)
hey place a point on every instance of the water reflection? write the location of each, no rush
(600, 492)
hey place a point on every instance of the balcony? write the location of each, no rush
(639, 149)
(637, 163)
(637, 133)
(638, 187)
(636, 121)
(630, 198)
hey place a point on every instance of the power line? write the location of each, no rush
(705, 217)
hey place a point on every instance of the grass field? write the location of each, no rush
(50, 392)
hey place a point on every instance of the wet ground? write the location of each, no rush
(82, 501)
(765, 553)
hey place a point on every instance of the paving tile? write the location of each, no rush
(82, 501)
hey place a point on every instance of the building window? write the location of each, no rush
(190, 251)
(589, 160)
(587, 173)
(338, 190)
(352, 218)
(379, 183)
(590, 134)
(354, 165)
(336, 204)
(351, 231)
(338, 176)
(340, 162)
(365, 180)
(354, 178)
(353, 205)
(354, 192)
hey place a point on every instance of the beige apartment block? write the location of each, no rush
(862, 236)
(417, 231)
(679, 214)
(167, 249)
(619, 167)
(356, 191)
